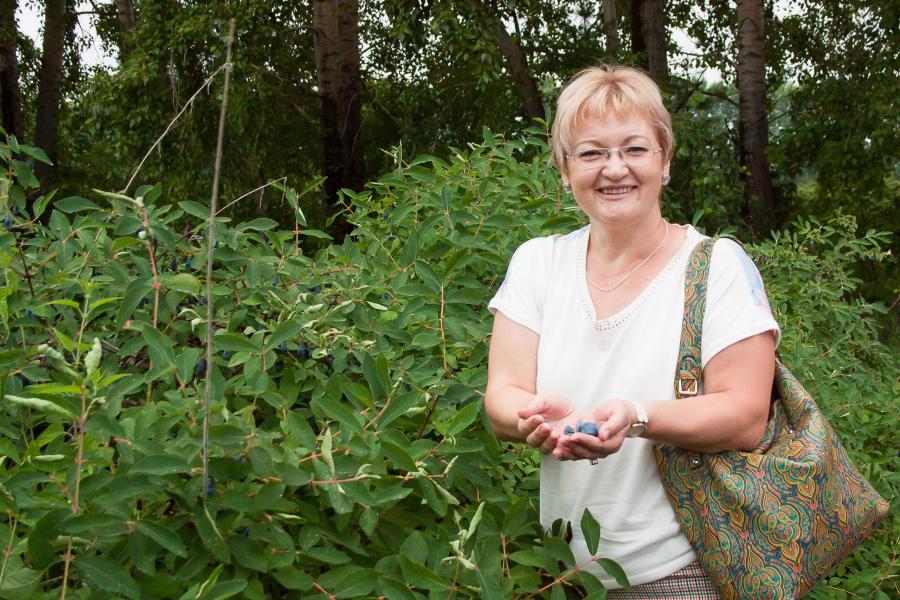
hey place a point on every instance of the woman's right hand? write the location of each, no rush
(541, 422)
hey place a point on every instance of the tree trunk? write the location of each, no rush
(46, 129)
(10, 95)
(518, 66)
(638, 43)
(340, 85)
(754, 127)
(654, 25)
(125, 15)
(610, 24)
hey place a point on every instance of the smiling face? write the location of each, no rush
(620, 191)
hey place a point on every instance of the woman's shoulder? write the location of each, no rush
(552, 244)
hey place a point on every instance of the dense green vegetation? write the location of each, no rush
(348, 449)
(342, 449)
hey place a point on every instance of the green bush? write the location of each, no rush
(349, 453)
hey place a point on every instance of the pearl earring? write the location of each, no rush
(567, 187)
(666, 179)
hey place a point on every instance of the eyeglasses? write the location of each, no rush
(595, 158)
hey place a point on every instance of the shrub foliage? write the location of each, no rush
(349, 453)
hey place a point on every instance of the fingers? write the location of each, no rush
(538, 406)
(543, 437)
(617, 419)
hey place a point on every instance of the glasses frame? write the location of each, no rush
(604, 160)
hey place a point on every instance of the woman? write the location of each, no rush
(586, 329)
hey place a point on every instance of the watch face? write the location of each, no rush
(637, 430)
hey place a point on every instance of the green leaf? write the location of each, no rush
(160, 464)
(108, 575)
(195, 208)
(182, 282)
(135, 292)
(36, 153)
(234, 342)
(421, 576)
(163, 536)
(40, 405)
(613, 568)
(224, 589)
(528, 558)
(590, 529)
(20, 584)
(315, 233)
(398, 456)
(43, 546)
(293, 579)
(87, 525)
(284, 332)
(74, 204)
(258, 224)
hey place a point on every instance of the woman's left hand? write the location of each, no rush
(613, 418)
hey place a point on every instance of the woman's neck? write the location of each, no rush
(625, 242)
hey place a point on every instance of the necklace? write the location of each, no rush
(634, 270)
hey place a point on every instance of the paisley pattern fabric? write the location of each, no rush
(766, 524)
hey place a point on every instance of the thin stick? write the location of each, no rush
(19, 244)
(211, 242)
(253, 191)
(170, 125)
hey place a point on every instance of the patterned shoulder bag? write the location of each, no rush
(772, 522)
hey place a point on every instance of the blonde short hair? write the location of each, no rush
(608, 89)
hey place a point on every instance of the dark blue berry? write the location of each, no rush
(174, 265)
(226, 354)
(187, 262)
(279, 366)
(326, 285)
(202, 299)
(200, 368)
(589, 428)
(16, 211)
(7, 222)
(282, 347)
(568, 430)
(275, 281)
(210, 486)
(246, 532)
(315, 289)
(28, 313)
(407, 387)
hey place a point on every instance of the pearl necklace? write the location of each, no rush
(634, 270)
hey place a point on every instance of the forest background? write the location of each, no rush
(299, 412)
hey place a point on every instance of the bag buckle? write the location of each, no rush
(689, 389)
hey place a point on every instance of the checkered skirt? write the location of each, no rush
(689, 583)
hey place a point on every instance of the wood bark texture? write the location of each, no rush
(518, 65)
(46, 129)
(753, 124)
(125, 16)
(10, 92)
(638, 44)
(654, 24)
(340, 87)
(611, 27)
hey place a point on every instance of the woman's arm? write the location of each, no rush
(730, 415)
(516, 412)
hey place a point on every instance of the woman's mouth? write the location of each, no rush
(616, 191)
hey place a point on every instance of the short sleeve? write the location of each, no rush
(521, 295)
(736, 303)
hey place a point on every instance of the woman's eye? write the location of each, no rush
(592, 154)
(636, 151)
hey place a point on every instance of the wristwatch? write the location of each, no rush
(639, 427)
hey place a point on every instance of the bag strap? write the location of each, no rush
(689, 369)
